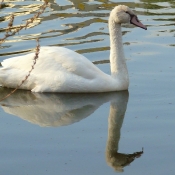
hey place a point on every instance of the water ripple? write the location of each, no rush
(79, 25)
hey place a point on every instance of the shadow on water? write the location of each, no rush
(54, 110)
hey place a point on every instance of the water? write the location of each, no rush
(76, 134)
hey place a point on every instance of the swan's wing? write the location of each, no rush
(53, 59)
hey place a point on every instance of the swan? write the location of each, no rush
(59, 69)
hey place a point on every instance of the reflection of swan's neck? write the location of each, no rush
(117, 59)
(113, 157)
(115, 121)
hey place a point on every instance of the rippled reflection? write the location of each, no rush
(80, 23)
(64, 109)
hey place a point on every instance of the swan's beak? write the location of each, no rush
(134, 20)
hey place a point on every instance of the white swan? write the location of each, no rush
(62, 70)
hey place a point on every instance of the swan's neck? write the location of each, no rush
(117, 58)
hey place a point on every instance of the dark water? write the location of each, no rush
(98, 133)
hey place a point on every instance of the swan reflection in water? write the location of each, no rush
(63, 109)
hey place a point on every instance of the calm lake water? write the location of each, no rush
(98, 134)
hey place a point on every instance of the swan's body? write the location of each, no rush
(62, 70)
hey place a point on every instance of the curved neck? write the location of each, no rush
(117, 58)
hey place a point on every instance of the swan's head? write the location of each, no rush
(123, 14)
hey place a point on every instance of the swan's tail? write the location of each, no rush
(10, 77)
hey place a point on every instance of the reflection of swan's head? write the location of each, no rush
(123, 14)
(119, 160)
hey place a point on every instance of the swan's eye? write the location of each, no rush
(132, 16)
